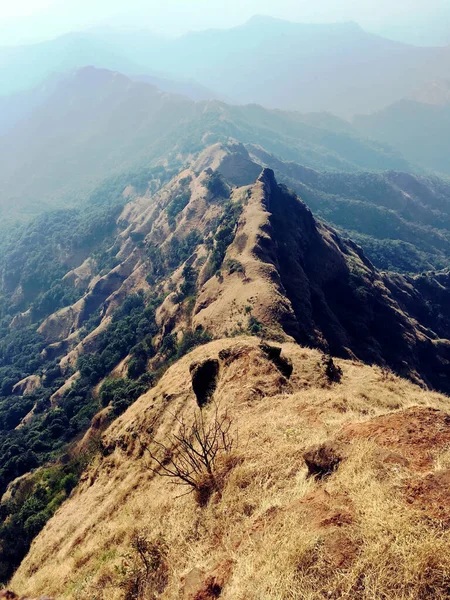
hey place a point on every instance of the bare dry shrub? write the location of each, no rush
(144, 571)
(191, 456)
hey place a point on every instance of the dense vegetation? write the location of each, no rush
(36, 257)
(25, 513)
(41, 440)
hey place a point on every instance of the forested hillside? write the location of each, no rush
(401, 220)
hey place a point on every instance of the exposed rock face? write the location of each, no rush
(82, 275)
(58, 395)
(58, 326)
(283, 363)
(204, 380)
(21, 320)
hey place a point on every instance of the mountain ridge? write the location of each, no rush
(216, 273)
(98, 123)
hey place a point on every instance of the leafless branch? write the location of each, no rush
(190, 457)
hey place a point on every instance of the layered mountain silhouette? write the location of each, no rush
(418, 128)
(95, 123)
(338, 68)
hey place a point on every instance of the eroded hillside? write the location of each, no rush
(221, 252)
(221, 257)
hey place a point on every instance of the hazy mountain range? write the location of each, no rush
(390, 92)
(78, 129)
(338, 68)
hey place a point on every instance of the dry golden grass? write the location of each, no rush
(274, 533)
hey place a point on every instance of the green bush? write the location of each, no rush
(216, 185)
(254, 326)
(178, 204)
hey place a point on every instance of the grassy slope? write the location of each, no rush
(272, 533)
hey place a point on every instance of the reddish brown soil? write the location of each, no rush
(417, 434)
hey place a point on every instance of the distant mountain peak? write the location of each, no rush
(92, 73)
(260, 20)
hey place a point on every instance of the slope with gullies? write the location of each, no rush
(260, 259)
(374, 526)
(330, 479)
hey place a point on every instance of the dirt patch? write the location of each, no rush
(417, 434)
(212, 584)
(339, 549)
(431, 494)
(323, 509)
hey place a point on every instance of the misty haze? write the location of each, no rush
(225, 300)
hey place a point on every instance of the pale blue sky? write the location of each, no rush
(420, 21)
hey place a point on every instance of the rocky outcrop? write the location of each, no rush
(58, 326)
(82, 275)
(57, 396)
(204, 380)
(27, 386)
(22, 320)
